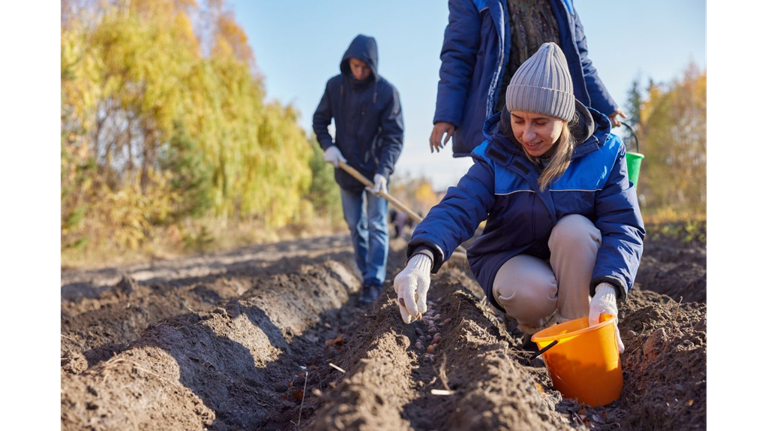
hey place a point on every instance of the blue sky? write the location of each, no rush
(298, 46)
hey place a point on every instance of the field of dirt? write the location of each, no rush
(271, 337)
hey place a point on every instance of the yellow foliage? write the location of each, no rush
(425, 195)
(232, 40)
(416, 192)
(673, 135)
(131, 83)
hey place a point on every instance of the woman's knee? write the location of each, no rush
(527, 290)
(574, 230)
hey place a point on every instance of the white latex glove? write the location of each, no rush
(379, 184)
(332, 155)
(411, 286)
(604, 302)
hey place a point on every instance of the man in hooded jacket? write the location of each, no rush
(368, 119)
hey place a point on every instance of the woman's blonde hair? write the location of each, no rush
(561, 159)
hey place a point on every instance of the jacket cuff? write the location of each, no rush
(452, 120)
(384, 171)
(325, 144)
(431, 250)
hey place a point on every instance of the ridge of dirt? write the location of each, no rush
(282, 344)
(216, 370)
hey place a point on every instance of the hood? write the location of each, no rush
(364, 48)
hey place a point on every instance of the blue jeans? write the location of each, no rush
(366, 216)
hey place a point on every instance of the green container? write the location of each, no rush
(633, 159)
(633, 166)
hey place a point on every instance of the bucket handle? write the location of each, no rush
(549, 346)
(634, 135)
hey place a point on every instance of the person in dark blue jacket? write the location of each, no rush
(563, 222)
(484, 44)
(369, 137)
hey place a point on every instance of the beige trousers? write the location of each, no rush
(532, 290)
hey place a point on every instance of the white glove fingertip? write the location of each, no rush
(404, 314)
(422, 302)
(594, 316)
(410, 304)
(618, 338)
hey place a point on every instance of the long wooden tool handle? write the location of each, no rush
(391, 199)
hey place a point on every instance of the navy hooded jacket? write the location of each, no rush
(474, 56)
(502, 187)
(367, 116)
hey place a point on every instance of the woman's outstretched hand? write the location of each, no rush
(604, 302)
(411, 285)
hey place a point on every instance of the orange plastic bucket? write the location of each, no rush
(584, 364)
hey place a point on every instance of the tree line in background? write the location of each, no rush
(671, 124)
(165, 130)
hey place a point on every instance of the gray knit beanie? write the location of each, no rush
(543, 85)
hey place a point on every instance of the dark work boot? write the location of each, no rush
(370, 293)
